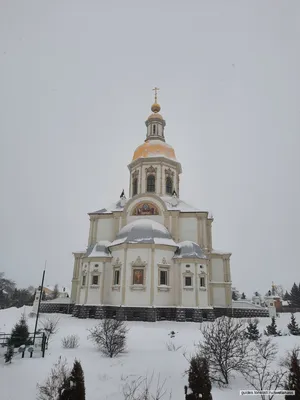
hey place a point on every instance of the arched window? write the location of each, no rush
(134, 186)
(154, 129)
(151, 183)
(169, 185)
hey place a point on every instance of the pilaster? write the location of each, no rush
(197, 284)
(123, 275)
(152, 276)
(102, 283)
(88, 277)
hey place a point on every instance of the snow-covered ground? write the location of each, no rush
(147, 354)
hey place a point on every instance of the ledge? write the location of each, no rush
(163, 288)
(94, 286)
(138, 287)
(188, 288)
(116, 287)
(202, 288)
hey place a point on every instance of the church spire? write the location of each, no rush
(155, 122)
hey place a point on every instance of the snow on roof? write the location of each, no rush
(182, 206)
(144, 231)
(188, 249)
(100, 249)
(59, 300)
(60, 289)
(245, 304)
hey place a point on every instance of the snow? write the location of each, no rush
(144, 231)
(182, 206)
(245, 304)
(99, 249)
(104, 377)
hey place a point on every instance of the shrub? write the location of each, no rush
(8, 356)
(56, 382)
(271, 330)
(19, 334)
(252, 332)
(70, 342)
(293, 327)
(110, 336)
(172, 346)
(225, 347)
(199, 380)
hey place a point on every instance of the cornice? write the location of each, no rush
(155, 160)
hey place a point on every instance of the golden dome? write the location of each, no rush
(154, 148)
(156, 115)
(155, 108)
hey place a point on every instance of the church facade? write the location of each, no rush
(150, 256)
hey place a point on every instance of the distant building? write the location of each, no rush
(64, 292)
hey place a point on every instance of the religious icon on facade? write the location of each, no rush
(145, 209)
(138, 277)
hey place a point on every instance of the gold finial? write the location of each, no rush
(155, 107)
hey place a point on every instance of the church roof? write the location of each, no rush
(182, 206)
(188, 249)
(154, 148)
(100, 249)
(144, 231)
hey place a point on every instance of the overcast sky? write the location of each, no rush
(76, 81)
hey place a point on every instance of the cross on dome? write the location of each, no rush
(155, 107)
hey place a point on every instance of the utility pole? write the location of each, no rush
(39, 305)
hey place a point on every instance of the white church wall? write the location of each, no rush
(164, 295)
(106, 229)
(203, 297)
(94, 294)
(113, 293)
(217, 270)
(82, 292)
(188, 292)
(137, 295)
(188, 229)
(219, 298)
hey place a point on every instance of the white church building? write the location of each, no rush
(151, 256)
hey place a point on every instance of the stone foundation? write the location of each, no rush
(151, 314)
(56, 308)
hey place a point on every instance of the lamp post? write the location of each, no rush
(39, 305)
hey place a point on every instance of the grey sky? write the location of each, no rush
(75, 90)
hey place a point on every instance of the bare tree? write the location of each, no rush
(50, 326)
(6, 285)
(55, 293)
(225, 346)
(143, 389)
(55, 383)
(259, 373)
(110, 336)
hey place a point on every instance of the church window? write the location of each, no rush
(151, 183)
(116, 277)
(163, 277)
(83, 280)
(202, 281)
(138, 276)
(188, 281)
(169, 185)
(154, 129)
(96, 265)
(134, 186)
(95, 280)
(187, 266)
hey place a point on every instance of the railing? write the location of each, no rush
(33, 343)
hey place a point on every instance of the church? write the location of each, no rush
(150, 256)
